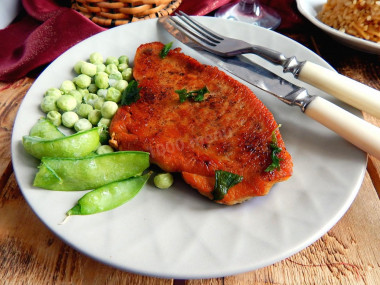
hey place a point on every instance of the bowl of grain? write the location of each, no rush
(354, 23)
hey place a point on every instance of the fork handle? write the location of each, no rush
(347, 90)
(355, 130)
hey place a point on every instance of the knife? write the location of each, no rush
(344, 88)
(355, 130)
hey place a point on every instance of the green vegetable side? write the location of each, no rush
(44, 128)
(83, 160)
(75, 174)
(163, 180)
(93, 95)
(76, 145)
(109, 196)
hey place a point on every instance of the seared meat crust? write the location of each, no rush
(229, 130)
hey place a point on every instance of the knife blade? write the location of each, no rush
(355, 130)
(344, 88)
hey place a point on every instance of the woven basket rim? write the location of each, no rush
(119, 12)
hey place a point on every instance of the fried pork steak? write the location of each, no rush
(229, 129)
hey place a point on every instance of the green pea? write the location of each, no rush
(123, 59)
(104, 123)
(98, 103)
(45, 129)
(82, 125)
(113, 95)
(163, 180)
(90, 98)
(83, 91)
(116, 75)
(55, 92)
(94, 116)
(121, 85)
(82, 81)
(127, 74)
(104, 149)
(84, 109)
(112, 60)
(78, 66)
(76, 145)
(109, 196)
(88, 69)
(102, 93)
(55, 117)
(92, 88)
(66, 103)
(111, 68)
(101, 80)
(71, 174)
(69, 119)
(96, 57)
(67, 86)
(109, 109)
(77, 95)
(48, 104)
(100, 67)
(122, 66)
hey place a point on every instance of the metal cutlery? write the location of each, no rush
(355, 130)
(345, 89)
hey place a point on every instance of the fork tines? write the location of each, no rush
(196, 31)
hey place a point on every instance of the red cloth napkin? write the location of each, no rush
(48, 28)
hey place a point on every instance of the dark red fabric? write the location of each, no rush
(47, 28)
(201, 8)
(41, 35)
(288, 11)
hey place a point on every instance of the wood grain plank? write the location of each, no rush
(212, 281)
(11, 95)
(373, 163)
(373, 168)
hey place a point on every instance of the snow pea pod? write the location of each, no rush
(45, 129)
(70, 174)
(76, 145)
(109, 196)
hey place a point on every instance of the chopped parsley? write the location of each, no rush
(196, 95)
(275, 165)
(130, 94)
(224, 180)
(165, 50)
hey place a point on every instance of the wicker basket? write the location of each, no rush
(118, 12)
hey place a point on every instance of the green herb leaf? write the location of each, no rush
(182, 95)
(196, 95)
(165, 50)
(130, 94)
(224, 180)
(275, 165)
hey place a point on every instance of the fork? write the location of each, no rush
(345, 89)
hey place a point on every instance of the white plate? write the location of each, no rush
(176, 233)
(311, 8)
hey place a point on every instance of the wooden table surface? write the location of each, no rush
(348, 254)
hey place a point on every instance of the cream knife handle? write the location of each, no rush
(355, 130)
(345, 89)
